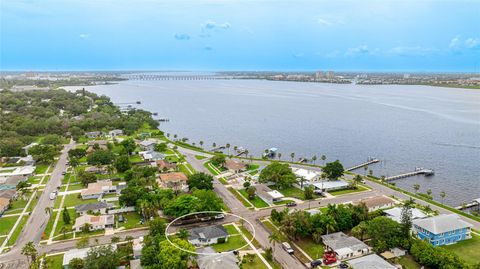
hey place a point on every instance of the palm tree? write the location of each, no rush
(235, 148)
(279, 155)
(168, 134)
(356, 180)
(274, 238)
(416, 187)
(183, 233)
(48, 210)
(292, 155)
(429, 192)
(323, 158)
(330, 224)
(228, 147)
(86, 227)
(370, 172)
(365, 168)
(214, 145)
(175, 136)
(30, 251)
(360, 230)
(302, 180)
(314, 158)
(443, 194)
(332, 210)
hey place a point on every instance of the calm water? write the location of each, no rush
(404, 126)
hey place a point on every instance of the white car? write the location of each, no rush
(53, 195)
(286, 246)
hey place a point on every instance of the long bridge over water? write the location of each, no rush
(175, 77)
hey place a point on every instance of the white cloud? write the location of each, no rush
(182, 36)
(455, 43)
(329, 20)
(83, 36)
(324, 22)
(210, 25)
(472, 43)
(412, 51)
(360, 50)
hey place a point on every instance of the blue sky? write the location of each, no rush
(240, 35)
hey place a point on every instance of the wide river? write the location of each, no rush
(404, 126)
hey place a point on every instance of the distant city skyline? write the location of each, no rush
(362, 36)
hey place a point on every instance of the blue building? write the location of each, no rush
(443, 229)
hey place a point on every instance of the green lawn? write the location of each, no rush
(132, 220)
(282, 202)
(347, 191)
(6, 224)
(257, 201)
(234, 242)
(213, 171)
(72, 187)
(73, 200)
(255, 263)
(61, 223)
(136, 158)
(239, 197)
(199, 157)
(34, 179)
(249, 236)
(48, 228)
(18, 205)
(17, 231)
(252, 166)
(55, 261)
(272, 263)
(408, 262)
(182, 168)
(290, 192)
(41, 168)
(314, 250)
(468, 250)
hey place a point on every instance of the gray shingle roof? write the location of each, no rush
(92, 206)
(208, 232)
(442, 223)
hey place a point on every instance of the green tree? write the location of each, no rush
(292, 155)
(86, 177)
(66, 216)
(333, 170)
(129, 145)
(30, 251)
(314, 159)
(122, 163)
(183, 234)
(200, 181)
(360, 230)
(416, 187)
(161, 147)
(278, 173)
(102, 257)
(323, 158)
(218, 160)
(171, 257)
(76, 263)
(251, 192)
(308, 192)
(82, 242)
(384, 233)
(442, 195)
(100, 157)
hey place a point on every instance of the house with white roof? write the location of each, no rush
(96, 222)
(147, 145)
(96, 190)
(309, 175)
(345, 246)
(330, 185)
(395, 214)
(268, 195)
(443, 229)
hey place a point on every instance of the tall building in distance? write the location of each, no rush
(330, 75)
(319, 75)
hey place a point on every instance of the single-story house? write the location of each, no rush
(8, 193)
(115, 133)
(174, 180)
(377, 202)
(443, 229)
(372, 261)
(77, 253)
(96, 222)
(4, 205)
(308, 175)
(268, 195)
(97, 189)
(207, 235)
(24, 171)
(99, 207)
(396, 213)
(235, 166)
(94, 134)
(102, 144)
(208, 260)
(147, 145)
(14, 180)
(19, 161)
(151, 156)
(345, 246)
(137, 247)
(96, 169)
(329, 185)
(164, 165)
(393, 253)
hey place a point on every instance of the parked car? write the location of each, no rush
(220, 216)
(64, 173)
(315, 263)
(290, 204)
(343, 265)
(286, 246)
(53, 195)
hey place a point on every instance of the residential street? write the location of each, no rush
(33, 229)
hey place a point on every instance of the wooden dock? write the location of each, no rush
(418, 171)
(370, 161)
(474, 203)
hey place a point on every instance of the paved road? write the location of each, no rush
(33, 229)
